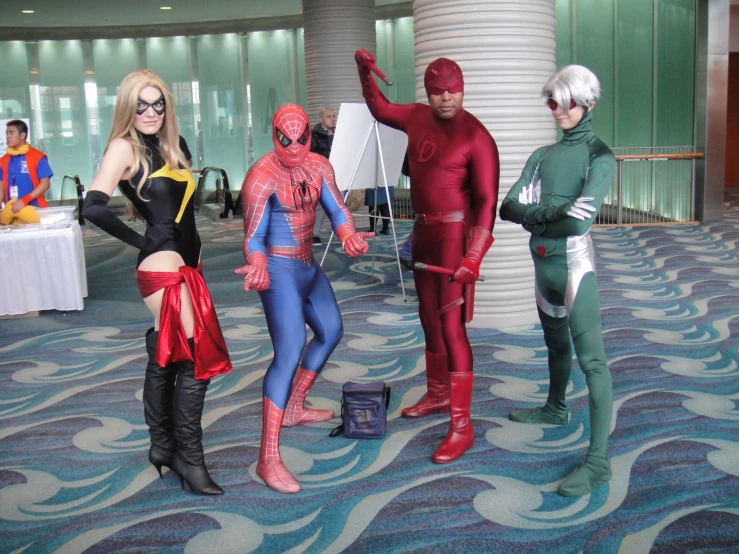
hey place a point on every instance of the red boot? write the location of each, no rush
(270, 467)
(437, 384)
(295, 411)
(461, 435)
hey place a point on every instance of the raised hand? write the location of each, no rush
(364, 58)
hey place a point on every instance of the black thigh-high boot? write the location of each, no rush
(189, 461)
(159, 385)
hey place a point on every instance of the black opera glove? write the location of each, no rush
(96, 210)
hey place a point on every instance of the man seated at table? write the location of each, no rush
(24, 177)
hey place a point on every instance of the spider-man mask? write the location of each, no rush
(442, 75)
(291, 135)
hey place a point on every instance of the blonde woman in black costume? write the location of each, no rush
(185, 347)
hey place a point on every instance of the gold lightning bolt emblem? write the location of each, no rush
(181, 175)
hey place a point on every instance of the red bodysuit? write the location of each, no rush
(454, 174)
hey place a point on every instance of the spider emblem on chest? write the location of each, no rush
(304, 192)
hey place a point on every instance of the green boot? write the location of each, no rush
(554, 412)
(587, 337)
(593, 473)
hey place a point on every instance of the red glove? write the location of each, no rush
(469, 268)
(355, 245)
(364, 59)
(256, 276)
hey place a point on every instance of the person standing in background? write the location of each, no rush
(322, 138)
(24, 177)
(378, 200)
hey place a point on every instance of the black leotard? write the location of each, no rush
(163, 198)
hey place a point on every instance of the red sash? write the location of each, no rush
(210, 356)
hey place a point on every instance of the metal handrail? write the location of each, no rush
(223, 195)
(621, 158)
(684, 156)
(80, 189)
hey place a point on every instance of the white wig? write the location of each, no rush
(572, 81)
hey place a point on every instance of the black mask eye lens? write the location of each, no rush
(304, 137)
(284, 141)
(159, 105)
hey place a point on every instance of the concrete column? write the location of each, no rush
(711, 94)
(507, 52)
(333, 31)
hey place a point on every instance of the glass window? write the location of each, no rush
(273, 74)
(170, 59)
(113, 60)
(15, 102)
(221, 129)
(61, 94)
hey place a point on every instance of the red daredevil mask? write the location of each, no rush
(443, 75)
(291, 135)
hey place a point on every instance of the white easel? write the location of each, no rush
(374, 129)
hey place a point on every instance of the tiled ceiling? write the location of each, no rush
(95, 13)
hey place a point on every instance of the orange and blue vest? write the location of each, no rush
(33, 157)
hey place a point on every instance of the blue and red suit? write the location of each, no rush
(279, 196)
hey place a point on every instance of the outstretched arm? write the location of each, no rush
(255, 192)
(392, 115)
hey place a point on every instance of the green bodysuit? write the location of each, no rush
(579, 165)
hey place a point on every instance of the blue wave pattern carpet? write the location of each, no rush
(74, 475)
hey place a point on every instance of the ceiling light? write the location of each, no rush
(26, 11)
(165, 8)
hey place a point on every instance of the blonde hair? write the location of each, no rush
(125, 115)
(572, 81)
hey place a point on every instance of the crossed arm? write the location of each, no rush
(572, 218)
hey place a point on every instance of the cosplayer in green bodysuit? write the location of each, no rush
(575, 176)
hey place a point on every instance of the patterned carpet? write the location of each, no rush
(74, 475)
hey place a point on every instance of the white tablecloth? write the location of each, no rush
(42, 268)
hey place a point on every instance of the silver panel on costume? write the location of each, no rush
(580, 262)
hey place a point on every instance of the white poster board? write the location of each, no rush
(4, 125)
(355, 143)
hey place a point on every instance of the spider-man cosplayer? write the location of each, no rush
(454, 172)
(279, 196)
